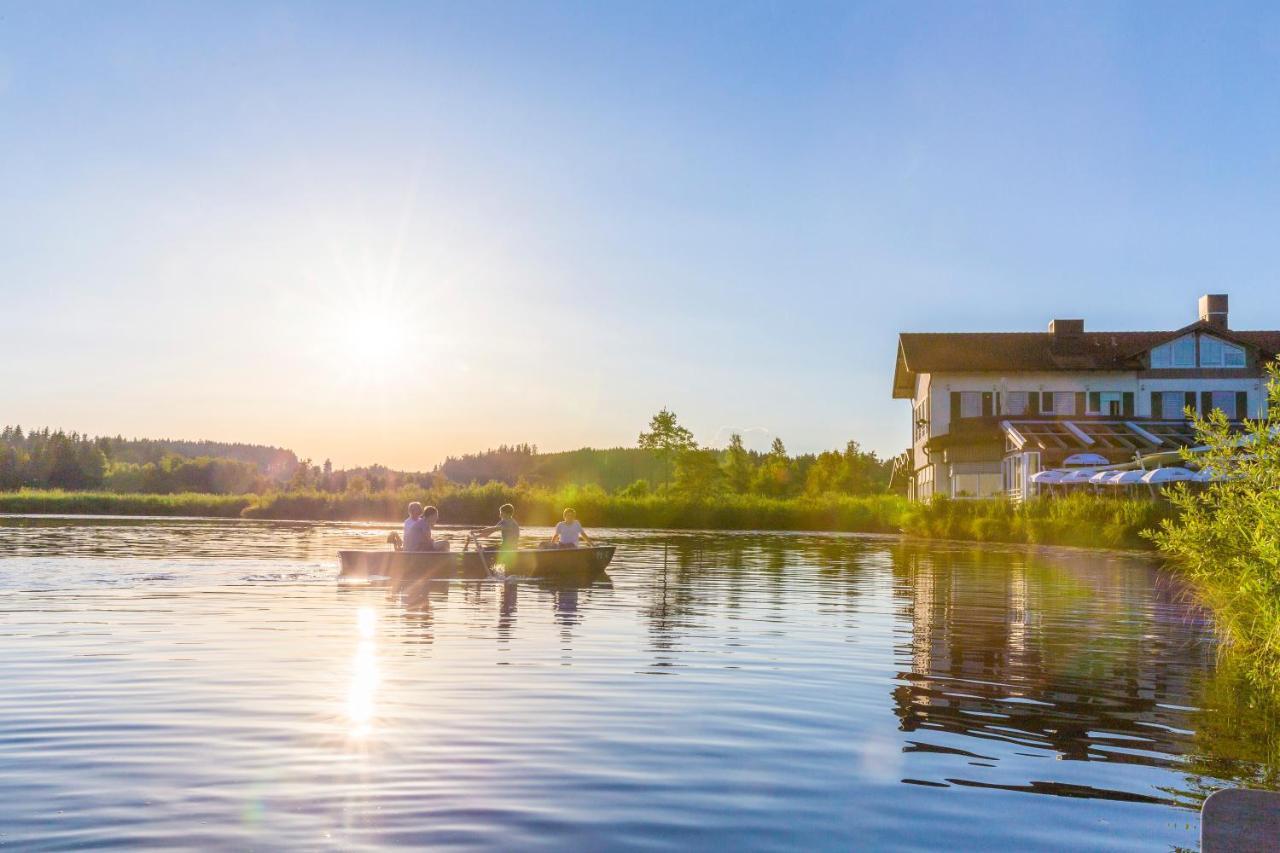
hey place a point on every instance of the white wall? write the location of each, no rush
(944, 383)
(1256, 389)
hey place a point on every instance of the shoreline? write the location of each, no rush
(901, 535)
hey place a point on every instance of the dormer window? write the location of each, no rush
(1216, 353)
(1179, 353)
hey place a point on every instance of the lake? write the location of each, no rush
(209, 684)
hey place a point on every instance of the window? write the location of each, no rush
(1060, 402)
(1016, 402)
(976, 485)
(1171, 405)
(1179, 353)
(920, 419)
(1109, 403)
(1226, 400)
(970, 404)
(1216, 353)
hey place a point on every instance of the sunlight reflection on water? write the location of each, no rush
(364, 674)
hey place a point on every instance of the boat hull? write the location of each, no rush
(553, 563)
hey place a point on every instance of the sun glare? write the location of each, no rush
(362, 692)
(369, 340)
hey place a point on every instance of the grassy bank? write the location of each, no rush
(478, 505)
(56, 502)
(1087, 521)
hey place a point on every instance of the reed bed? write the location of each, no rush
(57, 502)
(1089, 521)
(478, 504)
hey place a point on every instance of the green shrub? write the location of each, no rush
(1226, 538)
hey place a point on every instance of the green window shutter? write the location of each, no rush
(1157, 404)
(955, 405)
(1046, 402)
(1206, 403)
(1242, 405)
(1033, 403)
(1095, 401)
(1080, 403)
(1128, 404)
(1189, 400)
(988, 404)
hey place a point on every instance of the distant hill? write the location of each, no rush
(611, 468)
(45, 458)
(276, 463)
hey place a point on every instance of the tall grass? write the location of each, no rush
(54, 501)
(1083, 520)
(479, 505)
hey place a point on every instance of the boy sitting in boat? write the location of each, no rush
(417, 529)
(569, 531)
(506, 526)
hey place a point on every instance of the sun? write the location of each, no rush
(373, 337)
(365, 341)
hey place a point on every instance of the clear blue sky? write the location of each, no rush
(385, 232)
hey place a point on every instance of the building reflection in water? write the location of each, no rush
(1048, 652)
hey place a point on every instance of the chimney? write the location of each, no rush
(1213, 309)
(1068, 336)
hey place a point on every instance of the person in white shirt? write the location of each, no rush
(569, 531)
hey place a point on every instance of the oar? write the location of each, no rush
(484, 561)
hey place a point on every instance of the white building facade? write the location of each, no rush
(990, 409)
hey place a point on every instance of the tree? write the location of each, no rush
(92, 463)
(302, 477)
(698, 473)
(738, 465)
(637, 489)
(668, 439)
(851, 472)
(10, 478)
(774, 478)
(63, 467)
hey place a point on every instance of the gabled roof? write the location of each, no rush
(998, 352)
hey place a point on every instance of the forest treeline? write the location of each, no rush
(665, 462)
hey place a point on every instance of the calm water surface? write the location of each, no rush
(208, 684)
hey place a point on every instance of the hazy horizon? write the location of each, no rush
(398, 232)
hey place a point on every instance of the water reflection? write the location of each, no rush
(805, 679)
(362, 692)
(1048, 654)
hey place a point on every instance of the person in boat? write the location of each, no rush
(569, 531)
(506, 526)
(417, 529)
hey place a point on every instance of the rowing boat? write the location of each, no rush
(554, 563)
